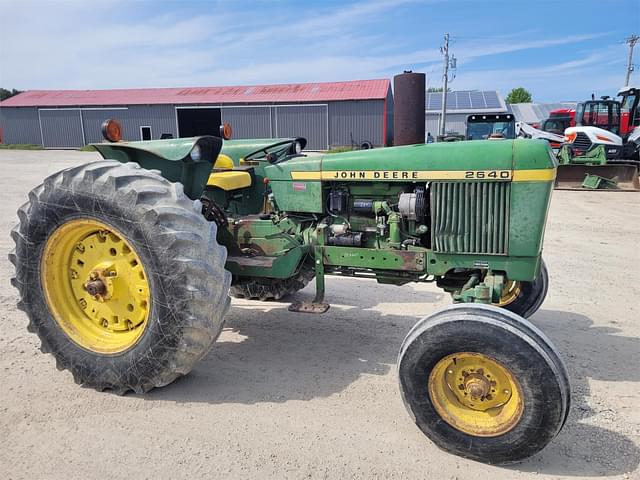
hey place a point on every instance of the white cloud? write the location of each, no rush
(118, 44)
(593, 72)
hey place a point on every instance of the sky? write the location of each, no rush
(557, 49)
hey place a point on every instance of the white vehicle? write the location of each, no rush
(527, 131)
(582, 139)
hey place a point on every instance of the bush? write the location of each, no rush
(20, 146)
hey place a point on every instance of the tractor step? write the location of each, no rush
(309, 307)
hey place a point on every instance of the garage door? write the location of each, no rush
(309, 121)
(248, 122)
(193, 122)
(93, 119)
(61, 128)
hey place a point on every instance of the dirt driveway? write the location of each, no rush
(300, 396)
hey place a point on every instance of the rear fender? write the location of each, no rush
(175, 158)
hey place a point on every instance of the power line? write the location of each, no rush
(631, 41)
(449, 62)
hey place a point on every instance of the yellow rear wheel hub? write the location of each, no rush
(476, 394)
(510, 292)
(95, 286)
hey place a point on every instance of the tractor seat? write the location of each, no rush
(226, 176)
(230, 180)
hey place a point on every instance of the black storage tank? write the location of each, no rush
(409, 108)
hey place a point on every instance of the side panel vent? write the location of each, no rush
(470, 217)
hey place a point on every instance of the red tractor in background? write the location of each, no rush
(602, 150)
(559, 120)
(630, 116)
(608, 122)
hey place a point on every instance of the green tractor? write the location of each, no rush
(124, 266)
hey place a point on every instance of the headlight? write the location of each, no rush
(298, 147)
(196, 153)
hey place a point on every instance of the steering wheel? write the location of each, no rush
(279, 152)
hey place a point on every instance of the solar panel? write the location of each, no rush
(463, 100)
(434, 101)
(491, 99)
(452, 100)
(477, 99)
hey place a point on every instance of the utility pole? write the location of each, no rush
(631, 41)
(448, 62)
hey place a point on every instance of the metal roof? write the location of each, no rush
(466, 101)
(292, 92)
(536, 112)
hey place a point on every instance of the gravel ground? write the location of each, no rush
(299, 396)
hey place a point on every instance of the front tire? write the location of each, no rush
(483, 383)
(120, 275)
(525, 298)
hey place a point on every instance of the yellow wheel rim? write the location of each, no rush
(95, 286)
(476, 394)
(510, 292)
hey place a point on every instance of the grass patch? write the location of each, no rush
(19, 146)
(87, 148)
(339, 150)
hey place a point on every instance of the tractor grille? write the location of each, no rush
(470, 217)
(582, 142)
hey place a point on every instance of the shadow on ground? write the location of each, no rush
(269, 354)
(275, 356)
(598, 353)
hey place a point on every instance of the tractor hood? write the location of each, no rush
(436, 161)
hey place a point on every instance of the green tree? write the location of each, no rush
(519, 95)
(5, 93)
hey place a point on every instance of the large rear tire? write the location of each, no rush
(120, 275)
(483, 383)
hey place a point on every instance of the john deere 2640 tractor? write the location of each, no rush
(124, 266)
